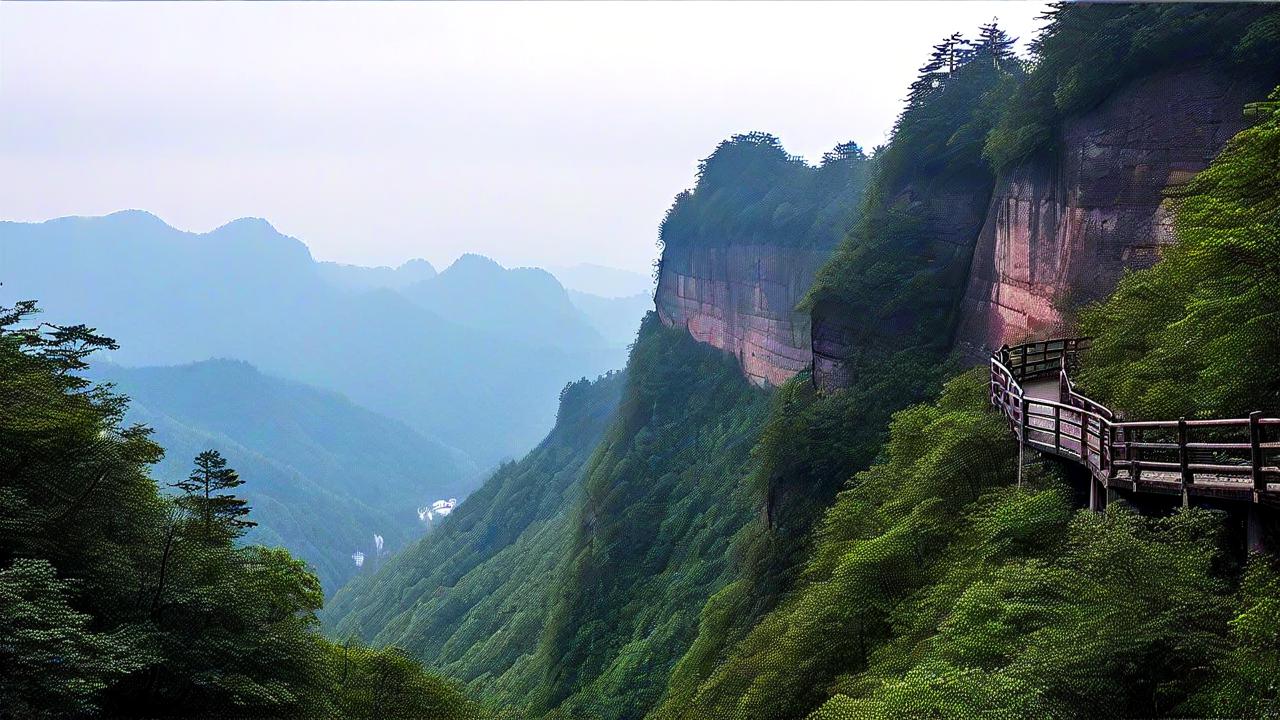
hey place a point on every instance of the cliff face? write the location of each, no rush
(1060, 232)
(742, 299)
(1054, 234)
(950, 213)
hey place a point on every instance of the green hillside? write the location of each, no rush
(117, 600)
(937, 590)
(494, 595)
(323, 475)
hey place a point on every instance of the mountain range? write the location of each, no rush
(473, 357)
(323, 475)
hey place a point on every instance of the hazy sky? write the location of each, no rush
(537, 133)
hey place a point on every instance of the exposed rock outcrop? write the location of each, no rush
(742, 299)
(952, 211)
(1060, 232)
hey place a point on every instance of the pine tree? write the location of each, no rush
(842, 152)
(946, 58)
(994, 46)
(220, 514)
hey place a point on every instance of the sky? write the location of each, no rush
(535, 133)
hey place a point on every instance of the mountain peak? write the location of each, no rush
(134, 214)
(417, 268)
(474, 262)
(248, 224)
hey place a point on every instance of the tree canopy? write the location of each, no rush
(118, 600)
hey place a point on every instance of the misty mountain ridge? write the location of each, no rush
(246, 291)
(478, 292)
(357, 278)
(602, 280)
(322, 474)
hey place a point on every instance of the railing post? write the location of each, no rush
(1131, 453)
(1255, 454)
(1184, 461)
(1057, 427)
(1022, 436)
(1109, 457)
(1064, 385)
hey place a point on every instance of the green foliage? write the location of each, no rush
(751, 191)
(1244, 679)
(1198, 333)
(470, 596)
(321, 473)
(950, 110)
(875, 545)
(51, 663)
(897, 279)
(1114, 622)
(663, 501)
(936, 590)
(117, 600)
(387, 683)
(218, 514)
(1089, 50)
(899, 273)
(569, 585)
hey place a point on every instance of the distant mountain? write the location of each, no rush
(525, 304)
(358, 278)
(322, 474)
(617, 319)
(609, 282)
(245, 291)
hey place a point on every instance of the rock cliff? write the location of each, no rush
(950, 212)
(1060, 231)
(742, 299)
(1055, 232)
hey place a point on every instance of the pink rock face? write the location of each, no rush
(1061, 233)
(741, 299)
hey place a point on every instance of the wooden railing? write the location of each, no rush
(1229, 459)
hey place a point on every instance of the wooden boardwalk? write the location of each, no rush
(1230, 460)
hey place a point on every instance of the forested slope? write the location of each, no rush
(469, 596)
(323, 474)
(848, 545)
(937, 590)
(119, 601)
(567, 584)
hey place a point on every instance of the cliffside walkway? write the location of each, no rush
(1199, 460)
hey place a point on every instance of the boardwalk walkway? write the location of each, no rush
(1221, 460)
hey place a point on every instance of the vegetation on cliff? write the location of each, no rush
(900, 283)
(663, 498)
(118, 600)
(1198, 334)
(1088, 50)
(751, 191)
(570, 583)
(471, 596)
(732, 555)
(935, 590)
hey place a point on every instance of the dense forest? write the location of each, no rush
(750, 190)
(937, 590)
(547, 589)
(119, 599)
